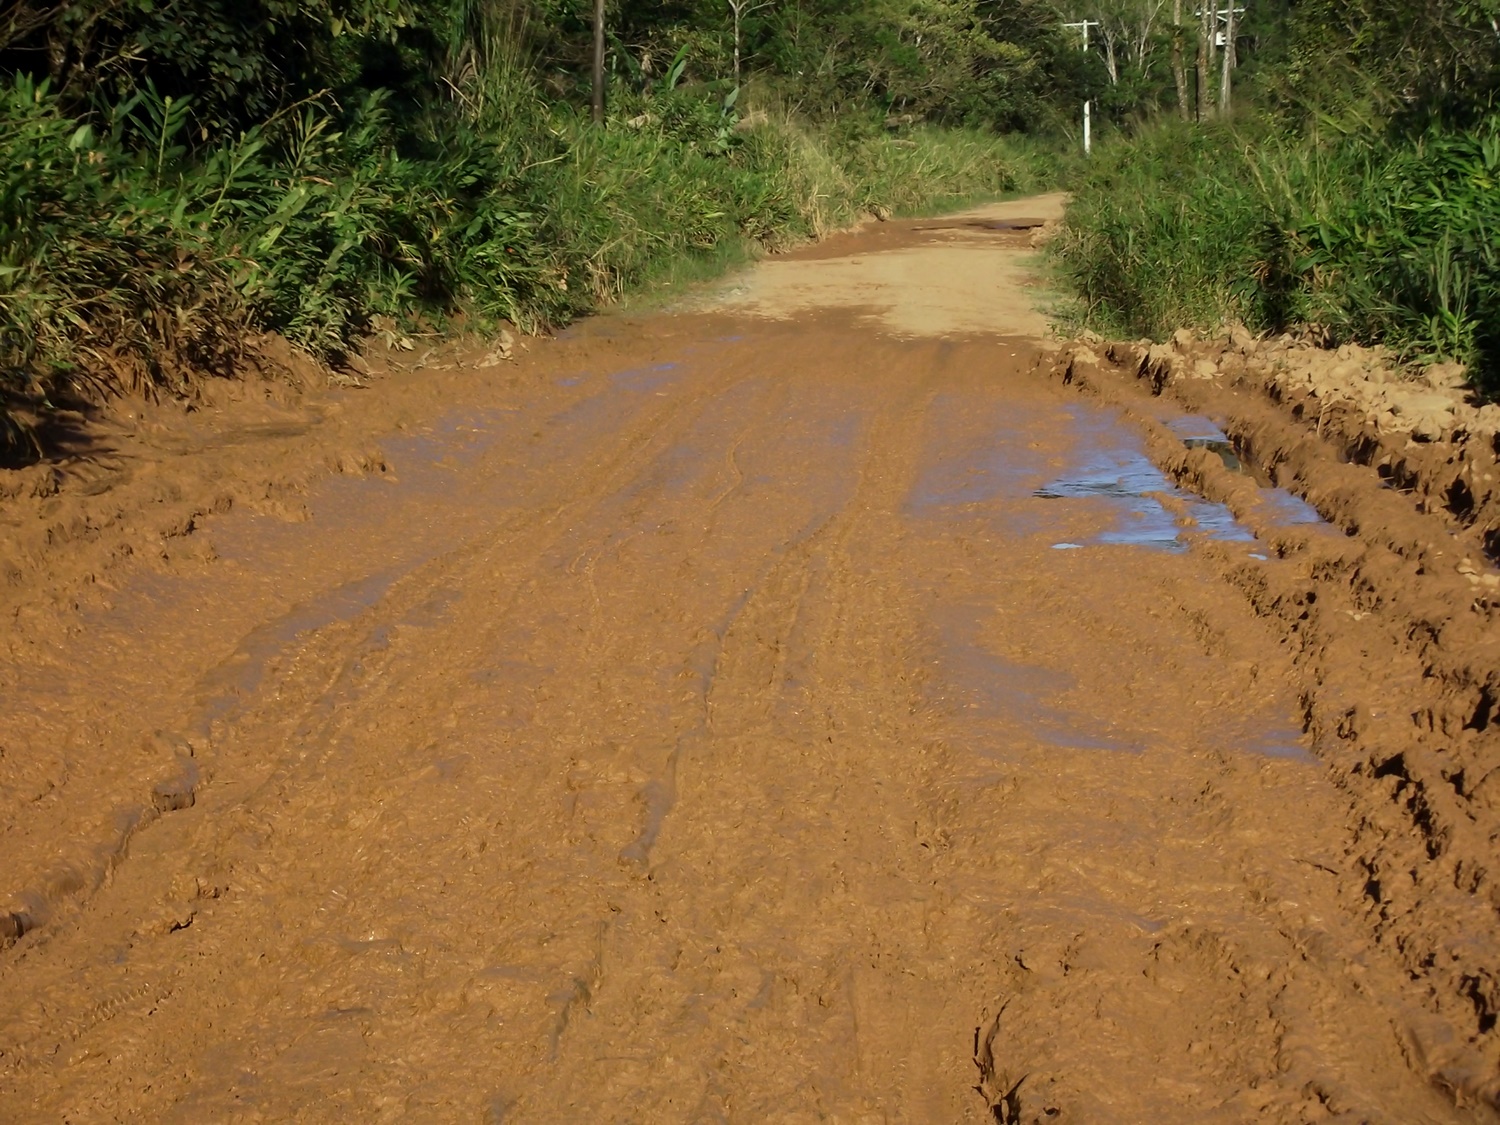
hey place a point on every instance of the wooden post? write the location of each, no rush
(598, 62)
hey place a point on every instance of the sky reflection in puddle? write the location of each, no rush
(1110, 464)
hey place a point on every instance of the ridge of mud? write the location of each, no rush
(1395, 627)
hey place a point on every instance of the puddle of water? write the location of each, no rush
(455, 440)
(1289, 508)
(979, 686)
(222, 691)
(1218, 521)
(1145, 524)
(987, 224)
(429, 466)
(1196, 428)
(1111, 465)
(1224, 449)
(978, 460)
(1198, 432)
(706, 460)
(605, 410)
(1005, 456)
(1282, 746)
(1274, 739)
(975, 465)
(697, 458)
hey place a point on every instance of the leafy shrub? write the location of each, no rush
(1409, 252)
(1387, 240)
(132, 262)
(102, 271)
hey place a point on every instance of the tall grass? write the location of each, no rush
(1391, 238)
(129, 262)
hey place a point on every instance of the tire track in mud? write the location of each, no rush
(710, 772)
(316, 725)
(838, 788)
(341, 650)
(222, 695)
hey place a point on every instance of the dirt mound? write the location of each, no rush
(1428, 435)
(1395, 626)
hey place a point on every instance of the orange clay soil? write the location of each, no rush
(808, 707)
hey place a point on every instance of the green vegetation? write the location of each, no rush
(175, 176)
(1355, 191)
(1373, 239)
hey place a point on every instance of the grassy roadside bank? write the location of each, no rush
(133, 263)
(1369, 237)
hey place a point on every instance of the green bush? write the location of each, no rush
(1409, 253)
(132, 262)
(1388, 240)
(103, 273)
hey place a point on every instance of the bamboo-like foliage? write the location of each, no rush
(133, 259)
(1386, 240)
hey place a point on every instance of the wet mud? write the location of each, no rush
(787, 710)
(1393, 618)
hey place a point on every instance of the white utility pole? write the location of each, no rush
(1083, 26)
(1225, 21)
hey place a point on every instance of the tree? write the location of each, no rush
(739, 9)
(598, 68)
(1127, 33)
(1207, 17)
(1179, 66)
(1229, 61)
(1444, 54)
(239, 60)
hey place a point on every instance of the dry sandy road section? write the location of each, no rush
(707, 721)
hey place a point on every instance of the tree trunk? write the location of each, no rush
(1230, 62)
(1179, 66)
(598, 62)
(735, 8)
(1208, 16)
(1111, 63)
(1145, 25)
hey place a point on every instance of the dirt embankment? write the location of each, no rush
(1394, 626)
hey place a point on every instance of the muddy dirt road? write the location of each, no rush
(793, 710)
